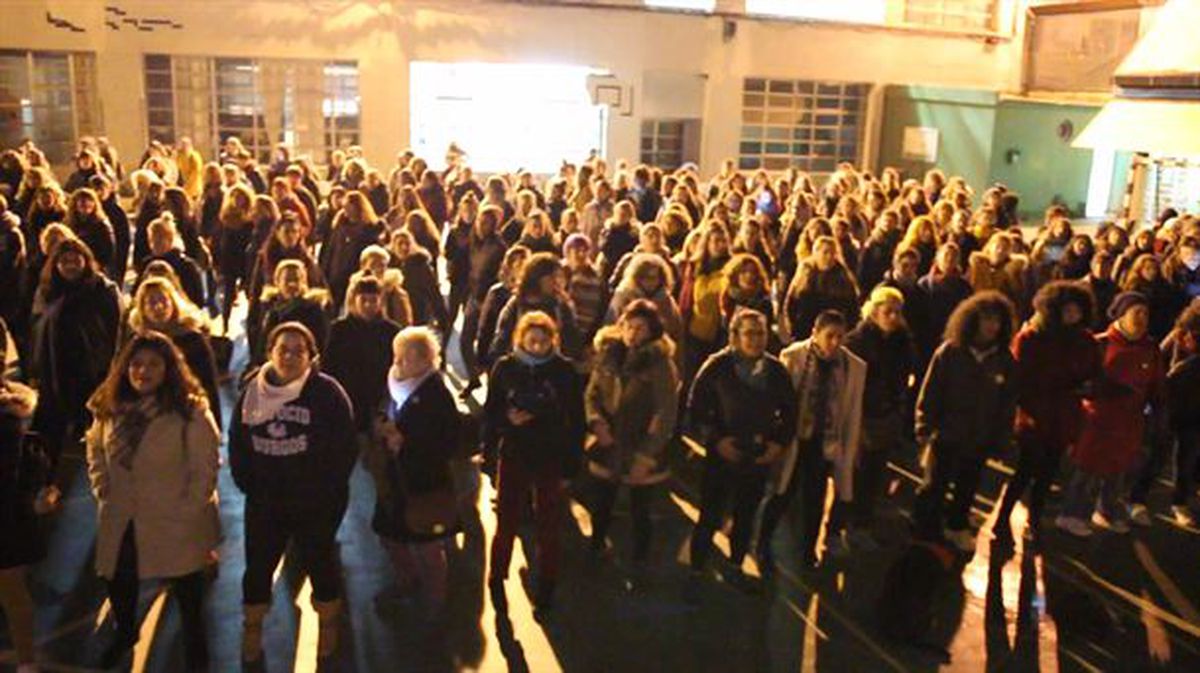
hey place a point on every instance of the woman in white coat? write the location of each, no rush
(152, 462)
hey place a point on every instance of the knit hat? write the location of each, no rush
(1125, 301)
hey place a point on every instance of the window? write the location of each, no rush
(310, 105)
(802, 124)
(1171, 183)
(858, 11)
(472, 104)
(49, 97)
(662, 143)
(693, 5)
(976, 15)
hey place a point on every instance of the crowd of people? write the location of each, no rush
(797, 333)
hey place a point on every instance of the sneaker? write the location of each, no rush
(1074, 526)
(963, 539)
(1139, 514)
(1118, 526)
(1183, 515)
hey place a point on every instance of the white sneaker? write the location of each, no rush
(963, 539)
(1183, 515)
(1118, 526)
(1076, 527)
(1140, 515)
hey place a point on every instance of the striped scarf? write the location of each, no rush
(129, 426)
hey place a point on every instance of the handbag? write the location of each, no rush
(431, 513)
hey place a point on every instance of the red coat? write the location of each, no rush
(1052, 368)
(1114, 419)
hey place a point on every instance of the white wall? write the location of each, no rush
(385, 36)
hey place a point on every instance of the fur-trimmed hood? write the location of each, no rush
(613, 354)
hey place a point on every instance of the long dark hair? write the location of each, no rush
(180, 391)
(537, 267)
(963, 325)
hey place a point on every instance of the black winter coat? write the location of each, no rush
(339, 255)
(429, 422)
(359, 355)
(191, 278)
(721, 404)
(967, 402)
(941, 295)
(890, 361)
(553, 393)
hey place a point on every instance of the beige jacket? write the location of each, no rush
(169, 495)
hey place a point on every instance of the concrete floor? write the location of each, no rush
(1111, 603)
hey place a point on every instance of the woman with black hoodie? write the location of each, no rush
(288, 453)
(360, 348)
(73, 341)
(534, 420)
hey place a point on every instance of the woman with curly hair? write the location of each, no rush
(152, 457)
(87, 220)
(965, 412)
(1057, 362)
(647, 276)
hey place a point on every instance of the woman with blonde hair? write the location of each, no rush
(152, 455)
(922, 236)
(291, 299)
(414, 441)
(159, 306)
(649, 277)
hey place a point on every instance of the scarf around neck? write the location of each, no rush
(402, 389)
(129, 427)
(531, 360)
(263, 399)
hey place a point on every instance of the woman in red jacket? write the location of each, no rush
(1056, 359)
(1114, 420)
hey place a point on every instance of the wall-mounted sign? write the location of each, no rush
(920, 143)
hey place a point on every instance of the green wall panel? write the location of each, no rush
(1048, 170)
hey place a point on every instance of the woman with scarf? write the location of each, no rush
(829, 380)
(73, 341)
(288, 453)
(700, 296)
(965, 413)
(1114, 420)
(742, 409)
(1057, 364)
(152, 457)
(632, 399)
(410, 460)
(533, 420)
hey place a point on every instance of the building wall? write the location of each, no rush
(384, 37)
(1049, 170)
(965, 120)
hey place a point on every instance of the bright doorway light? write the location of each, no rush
(506, 116)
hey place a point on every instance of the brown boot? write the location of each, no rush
(252, 631)
(327, 616)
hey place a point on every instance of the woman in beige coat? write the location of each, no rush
(152, 462)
